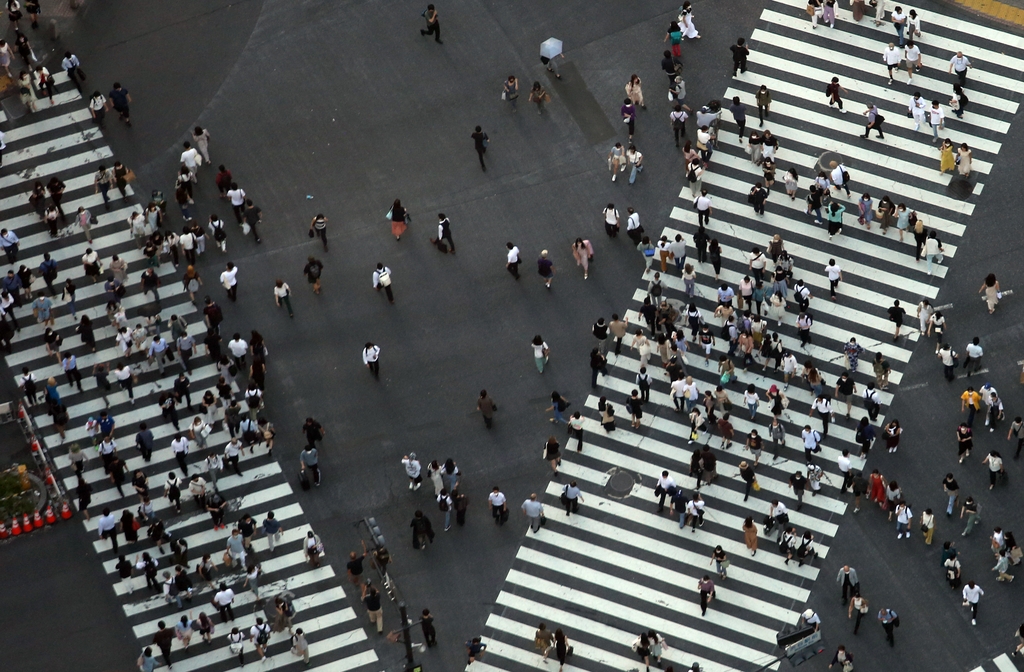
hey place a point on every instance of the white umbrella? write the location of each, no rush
(550, 47)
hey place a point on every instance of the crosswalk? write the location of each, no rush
(62, 140)
(620, 567)
(1001, 663)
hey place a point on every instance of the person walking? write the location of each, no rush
(972, 593)
(875, 120)
(308, 459)
(973, 511)
(444, 232)
(229, 279)
(534, 511)
(889, 620)
(371, 357)
(706, 589)
(990, 288)
(480, 141)
(382, 280)
(433, 24)
(512, 260)
(833, 92)
(539, 96)
(510, 92)
(635, 91)
(318, 228)
(282, 294)
(960, 64)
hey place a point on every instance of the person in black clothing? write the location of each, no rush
(671, 65)
(480, 144)
(896, 314)
(422, 531)
(650, 314)
(253, 216)
(757, 198)
(118, 472)
(598, 364)
(427, 623)
(700, 241)
(313, 430)
(739, 56)
(433, 24)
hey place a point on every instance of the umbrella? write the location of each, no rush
(550, 47)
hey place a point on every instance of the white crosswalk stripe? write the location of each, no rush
(621, 565)
(62, 140)
(1001, 663)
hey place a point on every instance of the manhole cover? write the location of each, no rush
(825, 159)
(960, 188)
(621, 483)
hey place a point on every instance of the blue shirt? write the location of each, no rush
(119, 97)
(107, 423)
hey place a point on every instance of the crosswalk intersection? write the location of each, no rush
(62, 140)
(618, 567)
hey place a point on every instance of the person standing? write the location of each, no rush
(382, 280)
(371, 357)
(318, 228)
(433, 24)
(972, 593)
(480, 141)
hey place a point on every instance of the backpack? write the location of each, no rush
(384, 279)
(219, 234)
(655, 289)
(314, 271)
(443, 504)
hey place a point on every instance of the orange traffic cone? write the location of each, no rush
(3, 530)
(37, 520)
(15, 527)
(26, 524)
(50, 517)
(65, 510)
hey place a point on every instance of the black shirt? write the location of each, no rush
(798, 481)
(253, 215)
(739, 53)
(896, 314)
(355, 566)
(669, 65)
(372, 601)
(247, 527)
(600, 331)
(313, 433)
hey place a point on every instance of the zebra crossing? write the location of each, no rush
(1001, 663)
(620, 567)
(62, 140)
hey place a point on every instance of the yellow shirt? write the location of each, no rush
(972, 398)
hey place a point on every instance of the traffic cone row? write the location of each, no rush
(50, 517)
(65, 510)
(26, 524)
(37, 521)
(15, 527)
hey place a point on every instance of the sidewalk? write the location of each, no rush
(1010, 13)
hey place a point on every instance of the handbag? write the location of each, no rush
(848, 666)
(129, 176)
(226, 558)
(246, 228)
(924, 528)
(757, 487)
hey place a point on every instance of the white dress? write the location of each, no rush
(689, 30)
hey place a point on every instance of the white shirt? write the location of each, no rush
(837, 174)
(959, 63)
(833, 272)
(666, 482)
(912, 54)
(237, 196)
(633, 221)
(371, 354)
(538, 350)
(898, 17)
(974, 351)
(917, 106)
(98, 102)
(180, 446)
(412, 467)
(703, 202)
(972, 595)
(238, 347)
(188, 157)
(892, 55)
(810, 437)
(678, 386)
(232, 449)
(228, 277)
(188, 241)
(844, 463)
(779, 510)
(936, 115)
(224, 597)
(282, 291)
(496, 498)
(823, 406)
(513, 255)
(611, 216)
(377, 274)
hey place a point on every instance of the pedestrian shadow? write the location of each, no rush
(581, 104)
